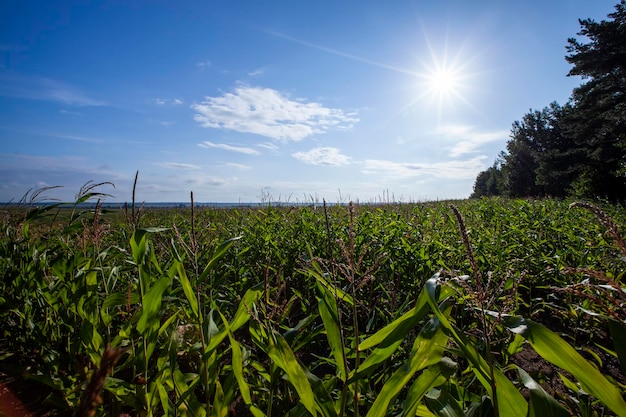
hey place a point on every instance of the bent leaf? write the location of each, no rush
(283, 357)
(541, 403)
(561, 354)
(427, 350)
(510, 401)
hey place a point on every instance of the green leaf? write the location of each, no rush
(427, 350)
(558, 352)
(283, 357)
(432, 377)
(237, 361)
(119, 299)
(219, 253)
(510, 401)
(322, 396)
(187, 289)
(389, 338)
(327, 306)
(337, 292)
(151, 304)
(139, 244)
(516, 345)
(443, 404)
(92, 340)
(541, 403)
(186, 395)
(241, 316)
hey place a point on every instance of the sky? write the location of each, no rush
(274, 100)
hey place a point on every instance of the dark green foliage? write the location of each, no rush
(578, 149)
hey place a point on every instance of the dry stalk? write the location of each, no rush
(606, 221)
(135, 214)
(92, 397)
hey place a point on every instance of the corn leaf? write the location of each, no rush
(541, 403)
(443, 404)
(241, 317)
(283, 357)
(151, 304)
(327, 306)
(139, 243)
(558, 352)
(237, 362)
(389, 338)
(510, 401)
(219, 253)
(427, 350)
(187, 289)
(431, 377)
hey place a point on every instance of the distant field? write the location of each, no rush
(493, 307)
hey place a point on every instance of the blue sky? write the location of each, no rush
(240, 101)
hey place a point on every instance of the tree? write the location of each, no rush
(598, 118)
(541, 159)
(489, 183)
(579, 148)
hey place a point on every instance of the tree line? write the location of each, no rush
(577, 149)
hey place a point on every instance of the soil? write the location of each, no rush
(21, 398)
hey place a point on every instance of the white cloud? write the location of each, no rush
(179, 165)
(445, 169)
(231, 148)
(203, 65)
(165, 101)
(323, 156)
(268, 145)
(268, 113)
(165, 123)
(257, 72)
(72, 113)
(467, 139)
(238, 166)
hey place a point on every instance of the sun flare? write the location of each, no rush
(444, 85)
(443, 81)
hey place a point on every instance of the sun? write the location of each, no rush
(443, 85)
(443, 81)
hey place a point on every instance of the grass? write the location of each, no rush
(489, 307)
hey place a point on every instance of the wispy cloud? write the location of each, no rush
(268, 145)
(165, 123)
(446, 169)
(44, 89)
(257, 72)
(231, 148)
(74, 137)
(267, 112)
(178, 165)
(323, 156)
(468, 139)
(166, 101)
(70, 112)
(340, 53)
(238, 166)
(203, 65)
